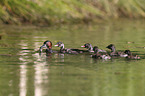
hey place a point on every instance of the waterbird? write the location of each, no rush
(98, 55)
(90, 48)
(114, 53)
(67, 50)
(48, 45)
(130, 56)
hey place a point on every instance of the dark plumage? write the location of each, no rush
(99, 55)
(114, 53)
(90, 48)
(130, 56)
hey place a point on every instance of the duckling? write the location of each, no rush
(113, 50)
(114, 53)
(90, 48)
(122, 54)
(130, 56)
(61, 45)
(98, 55)
(66, 50)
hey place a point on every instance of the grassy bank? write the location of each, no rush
(64, 11)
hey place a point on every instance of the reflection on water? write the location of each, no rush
(23, 70)
(26, 73)
(41, 70)
(40, 75)
(40, 78)
(59, 56)
(23, 80)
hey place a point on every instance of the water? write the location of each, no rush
(23, 72)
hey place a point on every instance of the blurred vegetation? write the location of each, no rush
(65, 11)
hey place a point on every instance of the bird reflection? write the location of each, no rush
(48, 56)
(59, 57)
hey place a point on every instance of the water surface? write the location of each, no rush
(23, 72)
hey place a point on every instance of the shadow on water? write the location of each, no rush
(26, 73)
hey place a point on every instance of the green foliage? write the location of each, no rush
(64, 11)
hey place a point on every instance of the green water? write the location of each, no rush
(23, 72)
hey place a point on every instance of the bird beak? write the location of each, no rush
(55, 45)
(83, 46)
